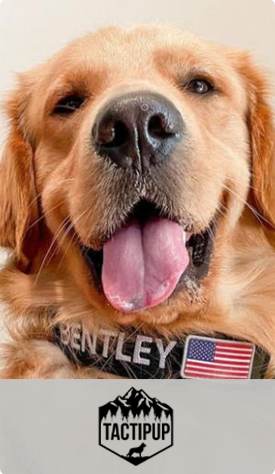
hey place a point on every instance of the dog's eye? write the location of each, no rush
(200, 86)
(69, 104)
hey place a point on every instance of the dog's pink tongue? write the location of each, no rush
(143, 264)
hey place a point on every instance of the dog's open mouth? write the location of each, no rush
(145, 260)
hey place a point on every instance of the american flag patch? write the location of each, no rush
(206, 358)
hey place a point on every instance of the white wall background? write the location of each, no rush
(31, 30)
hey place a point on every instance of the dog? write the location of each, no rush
(138, 450)
(136, 196)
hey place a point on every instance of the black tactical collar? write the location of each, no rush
(137, 355)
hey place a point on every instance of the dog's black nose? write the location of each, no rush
(137, 130)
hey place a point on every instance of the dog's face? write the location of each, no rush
(135, 149)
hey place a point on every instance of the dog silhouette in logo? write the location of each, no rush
(138, 450)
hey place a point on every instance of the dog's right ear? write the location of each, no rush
(18, 197)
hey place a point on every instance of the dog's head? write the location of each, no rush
(130, 160)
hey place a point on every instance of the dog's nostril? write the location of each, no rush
(118, 137)
(112, 134)
(159, 128)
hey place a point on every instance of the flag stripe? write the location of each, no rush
(231, 375)
(234, 344)
(233, 354)
(230, 362)
(220, 369)
(216, 369)
(226, 360)
(242, 365)
(233, 348)
(198, 371)
(237, 359)
(233, 351)
(205, 375)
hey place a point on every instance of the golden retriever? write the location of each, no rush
(138, 198)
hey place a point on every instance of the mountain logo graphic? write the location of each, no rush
(136, 427)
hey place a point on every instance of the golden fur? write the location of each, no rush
(54, 192)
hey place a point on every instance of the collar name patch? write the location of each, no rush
(112, 344)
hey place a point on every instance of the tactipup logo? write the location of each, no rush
(136, 427)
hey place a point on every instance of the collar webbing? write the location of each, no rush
(142, 356)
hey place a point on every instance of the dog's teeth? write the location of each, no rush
(184, 237)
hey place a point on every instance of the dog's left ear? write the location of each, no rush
(262, 139)
(18, 197)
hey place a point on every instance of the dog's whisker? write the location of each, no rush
(63, 224)
(59, 231)
(38, 196)
(45, 214)
(254, 211)
(74, 238)
(69, 228)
